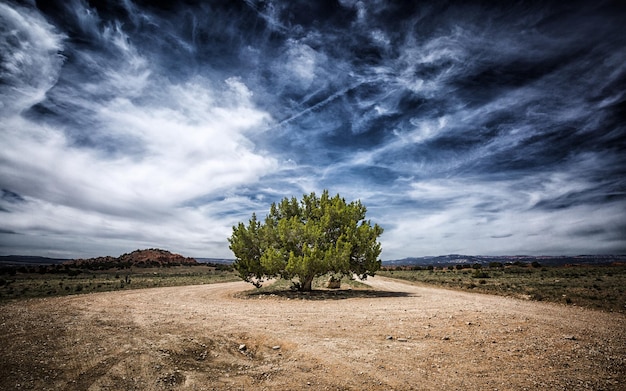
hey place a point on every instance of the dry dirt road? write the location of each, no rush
(398, 337)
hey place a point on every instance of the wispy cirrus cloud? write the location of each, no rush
(117, 153)
(462, 127)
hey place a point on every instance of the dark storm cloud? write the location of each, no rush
(459, 125)
(10, 197)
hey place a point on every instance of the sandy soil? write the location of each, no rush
(398, 337)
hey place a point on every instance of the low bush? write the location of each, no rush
(480, 274)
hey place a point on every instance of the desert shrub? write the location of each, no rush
(227, 268)
(517, 270)
(536, 297)
(480, 274)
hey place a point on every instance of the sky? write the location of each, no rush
(463, 127)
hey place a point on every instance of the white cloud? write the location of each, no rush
(152, 132)
(426, 128)
(192, 138)
(30, 62)
(84, 192)
(298, 66)
(496, 217)
(380, 38)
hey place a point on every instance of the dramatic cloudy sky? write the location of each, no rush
(464, 128)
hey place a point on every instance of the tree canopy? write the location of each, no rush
(307, 239)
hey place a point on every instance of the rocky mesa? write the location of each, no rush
(139, 258)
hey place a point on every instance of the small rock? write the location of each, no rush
(243, 347)
(277, 347)
(389, 337)
(446, 338)
(570, 337)
(401, 339)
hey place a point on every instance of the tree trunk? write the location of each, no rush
(305, 283)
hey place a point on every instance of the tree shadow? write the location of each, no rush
(322, 294)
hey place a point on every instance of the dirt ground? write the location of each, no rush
(397, 337)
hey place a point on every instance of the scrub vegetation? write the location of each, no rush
(58, 280)
(593, 286)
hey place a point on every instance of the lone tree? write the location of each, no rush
(307, 239)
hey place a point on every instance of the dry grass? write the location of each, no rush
(30, 284)
(598, 287)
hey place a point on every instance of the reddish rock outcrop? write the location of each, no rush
(139, 258)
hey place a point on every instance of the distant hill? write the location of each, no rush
(458, 259)
(145, 255)
(139, 258)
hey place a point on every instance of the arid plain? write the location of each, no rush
(398, 336)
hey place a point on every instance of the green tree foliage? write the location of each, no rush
(307, 239)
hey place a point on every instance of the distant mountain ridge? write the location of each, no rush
(26, 260)
(222, 261)
(547, 260)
